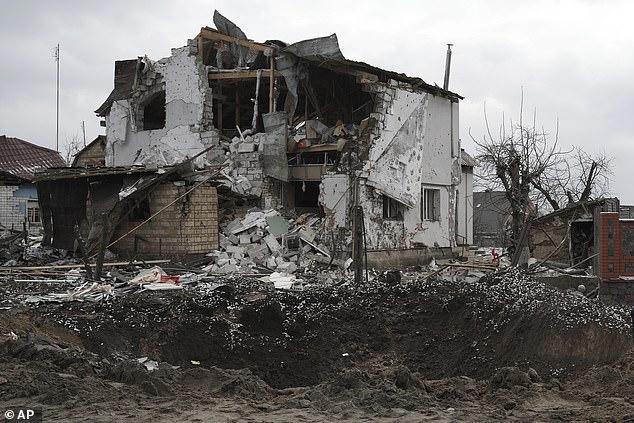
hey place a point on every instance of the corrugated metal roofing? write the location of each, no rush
(22, 159)
(467, 160)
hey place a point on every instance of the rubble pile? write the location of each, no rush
(265, 241)
(245, 174)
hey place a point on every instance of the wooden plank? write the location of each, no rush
(74, 266)
(241, 74)
(217, 36)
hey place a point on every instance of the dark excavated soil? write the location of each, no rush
(506, 347)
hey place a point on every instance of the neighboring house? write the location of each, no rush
(150, 213)
(19, 161)
(301, 129)
(491, 210)
(464, 201)
(92, 155)
(567, 235)
(597, 235)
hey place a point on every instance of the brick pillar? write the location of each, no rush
(610, 246)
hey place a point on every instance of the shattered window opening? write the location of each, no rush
(581, 241)
(431, 204)
(154, 112)
(307, 194)
(141, 212)
(391, 208)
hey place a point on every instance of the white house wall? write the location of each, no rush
(417, 146)
(11, 216)
(396, 155)
(186, 91)
(334, 196)
(464, 199)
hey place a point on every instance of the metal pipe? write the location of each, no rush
(445, 85)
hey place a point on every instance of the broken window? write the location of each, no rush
(582, 241)
(141, 212)
(154, 112)
(431, 204)
(391, 208)
(307, 194)
(33, 212)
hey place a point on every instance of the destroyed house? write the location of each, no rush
(299, 128)
(568, 236)
(596, 236)
(133, 211)
(19, 161)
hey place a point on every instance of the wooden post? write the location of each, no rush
(220, 108)
(271, 83)
(237, 98)
(103, 240)
(81, 245)
(200, 49)
(358, 245)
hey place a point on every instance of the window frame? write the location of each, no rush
(392, 209)
(430, 204)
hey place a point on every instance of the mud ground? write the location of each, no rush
(505, 347)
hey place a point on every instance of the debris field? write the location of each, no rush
(163, 341)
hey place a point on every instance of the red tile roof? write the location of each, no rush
(22, 159)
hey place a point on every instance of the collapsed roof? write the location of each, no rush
(250, 55)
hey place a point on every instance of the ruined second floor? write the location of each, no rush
(303, 108)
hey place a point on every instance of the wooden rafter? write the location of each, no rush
(208, 34)
(242, 75)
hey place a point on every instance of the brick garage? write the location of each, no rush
(616, 258)
(189, 226)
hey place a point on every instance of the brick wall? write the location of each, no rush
(616, 258)
(94, 155)
(189, 226)
(10, 216)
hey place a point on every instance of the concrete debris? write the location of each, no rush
(244, 174)
(150, 365)
(283, 280)
(264, 241)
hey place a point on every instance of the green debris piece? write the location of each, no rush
(278, 226)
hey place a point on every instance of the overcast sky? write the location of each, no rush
(573, 59)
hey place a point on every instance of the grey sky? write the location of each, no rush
(573, 59)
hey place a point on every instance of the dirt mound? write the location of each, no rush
(502, 347)
(438, 329)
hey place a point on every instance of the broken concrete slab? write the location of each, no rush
(272, 243)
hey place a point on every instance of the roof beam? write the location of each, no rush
(241, 74)
(208, 34)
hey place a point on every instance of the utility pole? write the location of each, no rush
(83, 129)
(56, 56)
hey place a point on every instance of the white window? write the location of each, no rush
(430, 204)
(33, 212)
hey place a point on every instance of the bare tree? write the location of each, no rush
(72, 146)
(581, 177)
(528, 166)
